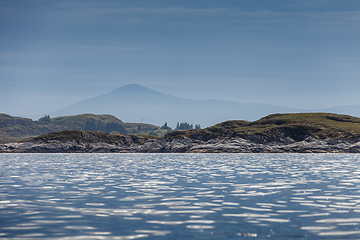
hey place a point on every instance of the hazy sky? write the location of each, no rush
(300, 54)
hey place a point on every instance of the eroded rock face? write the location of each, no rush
(231, 145)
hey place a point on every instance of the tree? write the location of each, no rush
(45, 118)
(165, 126)
(184, 126)
(197, 126)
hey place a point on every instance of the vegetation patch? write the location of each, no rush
(277, 127)
(13, 129)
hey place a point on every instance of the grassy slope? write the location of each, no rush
(279, 126)
(15, 128)
(77, 122)
(271, 128)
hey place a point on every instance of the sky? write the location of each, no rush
(293, 53)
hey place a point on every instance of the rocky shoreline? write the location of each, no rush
(277, 133)
(185, 145)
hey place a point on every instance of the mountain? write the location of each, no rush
(134, 103)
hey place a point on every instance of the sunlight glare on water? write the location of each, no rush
(179, 196)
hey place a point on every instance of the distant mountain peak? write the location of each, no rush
(135, 103)
(132, 88)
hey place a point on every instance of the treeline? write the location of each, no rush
(186, 126)
(45, 118)
(181, 126)
(93, 125)
(99, 125)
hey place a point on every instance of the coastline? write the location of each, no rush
(277, 133)
(184, 145)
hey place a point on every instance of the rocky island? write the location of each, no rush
(277, 133)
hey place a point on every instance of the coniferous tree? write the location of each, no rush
(184, 126)
(165, 126)
(45, 118)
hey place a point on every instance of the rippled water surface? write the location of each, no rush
(179, 196)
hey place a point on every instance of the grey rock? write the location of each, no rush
(164, 145)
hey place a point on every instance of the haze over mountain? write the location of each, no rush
(135, 103)
(352, 110)
(301, 54)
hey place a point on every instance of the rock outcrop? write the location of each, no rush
(185, 145)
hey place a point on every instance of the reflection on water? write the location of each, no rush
(179, 196)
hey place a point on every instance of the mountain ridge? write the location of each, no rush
(133, 102)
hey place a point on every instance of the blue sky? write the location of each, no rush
(299, 54)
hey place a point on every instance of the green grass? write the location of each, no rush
(77, 122)
(145, 129)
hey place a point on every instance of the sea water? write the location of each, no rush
(179, 196)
